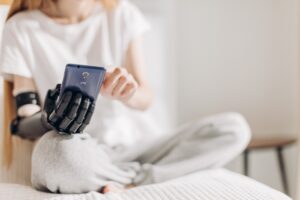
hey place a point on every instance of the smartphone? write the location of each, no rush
(83, 78)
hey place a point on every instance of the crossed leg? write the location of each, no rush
(78, 164)
(206, 143)
(75, 164)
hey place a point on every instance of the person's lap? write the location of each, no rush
(78, 164)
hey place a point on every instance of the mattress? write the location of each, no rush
(218, 184)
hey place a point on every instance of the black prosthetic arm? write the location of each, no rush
(69, 114)
(29, 127)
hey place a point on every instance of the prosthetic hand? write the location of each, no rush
(68, 115)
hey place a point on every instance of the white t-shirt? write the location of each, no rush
(37, 47)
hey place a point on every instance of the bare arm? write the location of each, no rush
(129, 84)
(135, 65)
(23, 84)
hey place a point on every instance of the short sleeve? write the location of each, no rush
(136, 22)
(12, 57)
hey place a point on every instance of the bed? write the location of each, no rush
(217, 184)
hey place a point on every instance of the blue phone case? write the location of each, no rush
(84, 78)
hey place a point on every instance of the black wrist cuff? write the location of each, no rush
(14, 125)
(27, 98)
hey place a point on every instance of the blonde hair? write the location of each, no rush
(9, 109)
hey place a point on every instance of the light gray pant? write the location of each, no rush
(79, 164)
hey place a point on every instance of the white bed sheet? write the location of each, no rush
(216, 184)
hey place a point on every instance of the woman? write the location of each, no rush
(40, 38)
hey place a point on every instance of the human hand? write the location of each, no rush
(119, 85)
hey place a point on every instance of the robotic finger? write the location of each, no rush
(60, 110)
(81, 115)
(71, 113)
(87, 118)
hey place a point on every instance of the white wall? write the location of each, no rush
(159, 49)
(230, 55)
(242, 55)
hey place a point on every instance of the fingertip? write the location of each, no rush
(118, 69)
(107, 74)
(122, 78)
(78, 96)
(57, 88)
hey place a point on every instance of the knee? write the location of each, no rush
(239, 129)
(59, 165)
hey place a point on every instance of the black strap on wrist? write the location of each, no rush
(14, 125)
(25, 98)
